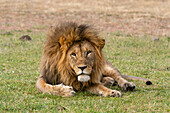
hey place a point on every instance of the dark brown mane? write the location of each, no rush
(54, 66)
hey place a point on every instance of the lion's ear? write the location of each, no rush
(61, 41)
(102, 43)
(99, 45)
(98, 42)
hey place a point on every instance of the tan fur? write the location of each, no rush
(70, 51)
(107, 81)
(54, 66)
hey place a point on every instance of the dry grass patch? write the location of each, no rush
(129, 16)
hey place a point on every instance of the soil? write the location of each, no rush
(136, 17)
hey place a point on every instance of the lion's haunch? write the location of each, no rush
(83, 78)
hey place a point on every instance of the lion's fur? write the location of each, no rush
(54, 65)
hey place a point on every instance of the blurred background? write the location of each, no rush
(136, 17)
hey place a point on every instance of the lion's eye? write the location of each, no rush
(73, 54)
(88, 53)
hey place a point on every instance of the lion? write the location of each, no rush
(72, 60)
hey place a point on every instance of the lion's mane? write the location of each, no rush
(55, 68)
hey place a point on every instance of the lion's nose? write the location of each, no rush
(82, 67)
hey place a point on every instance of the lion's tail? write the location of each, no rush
(148, 82)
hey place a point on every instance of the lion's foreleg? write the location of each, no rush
(99, 89)
(64, 91)
(110, 71)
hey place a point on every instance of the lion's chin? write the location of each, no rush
(83, 78)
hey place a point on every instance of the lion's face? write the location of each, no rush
(81, 58)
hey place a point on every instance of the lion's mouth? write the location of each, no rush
(83, 77)
(82, 74)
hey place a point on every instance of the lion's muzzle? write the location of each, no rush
(83, 78)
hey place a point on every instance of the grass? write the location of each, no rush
(137, 56)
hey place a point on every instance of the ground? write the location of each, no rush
(128, 16)
(128, 27)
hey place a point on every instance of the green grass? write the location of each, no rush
(137, 56)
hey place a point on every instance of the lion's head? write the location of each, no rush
(81, 58)
(73, 55)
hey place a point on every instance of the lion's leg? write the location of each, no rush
(64, 91)
(110, 71)
(99, 89)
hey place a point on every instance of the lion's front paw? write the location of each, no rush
(64, 91)
(111, 93)
(67, 91)
(128, 86)
(107, 81)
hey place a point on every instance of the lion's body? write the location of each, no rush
(54, 65)
(74, 51)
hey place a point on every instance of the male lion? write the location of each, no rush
(73, 60)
